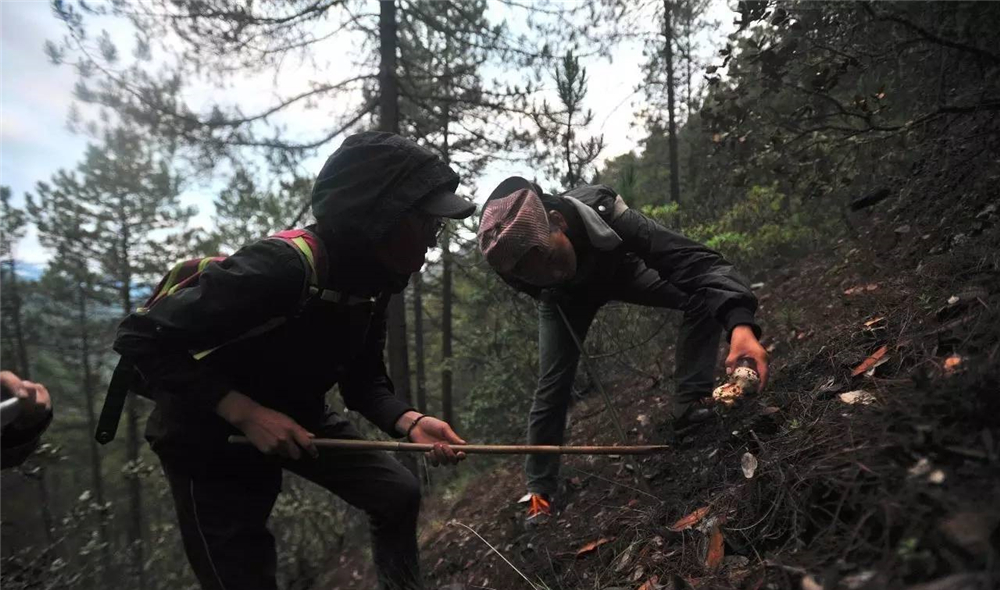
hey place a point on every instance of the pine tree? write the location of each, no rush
(216, 41)
(12, 230)
(567, 157)
(73, 291)
(446, 107)
(245, 212)
(125, 194)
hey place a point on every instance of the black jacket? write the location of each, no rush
(322, 344)
(695, 269)
(18, 443)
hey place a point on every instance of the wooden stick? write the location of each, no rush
(347, 445)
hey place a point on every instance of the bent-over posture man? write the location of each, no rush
(201, 351)
(583, 248)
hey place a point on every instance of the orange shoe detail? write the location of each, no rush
(539, 505)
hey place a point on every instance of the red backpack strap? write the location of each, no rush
(312, 251)
(181, 275)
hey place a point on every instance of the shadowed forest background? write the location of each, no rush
(851, 144)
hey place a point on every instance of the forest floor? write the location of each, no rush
(876, 443)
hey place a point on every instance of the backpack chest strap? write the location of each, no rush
(340, 298)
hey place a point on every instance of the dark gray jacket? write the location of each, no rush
(608, 234)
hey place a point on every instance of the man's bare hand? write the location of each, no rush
(743, 344)
(33, 399)
(430, 430)
(273, 433)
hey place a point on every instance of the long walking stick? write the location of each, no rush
(348, 445)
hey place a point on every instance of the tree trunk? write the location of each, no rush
(447, 409)
(668, 34)
(689, 17)
(399, 363)
(447, 404)
(97, 476)
(418, 340)
(388, 84)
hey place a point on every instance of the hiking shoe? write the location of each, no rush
(539, 509)
(693, 418)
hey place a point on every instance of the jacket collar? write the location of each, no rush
(599, 233)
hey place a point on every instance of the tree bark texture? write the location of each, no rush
(668, 34)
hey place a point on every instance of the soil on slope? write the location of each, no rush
(898, 488)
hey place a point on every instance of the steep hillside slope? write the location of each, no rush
(876, 445)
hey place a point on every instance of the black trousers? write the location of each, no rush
(223, 509)
(694, 365)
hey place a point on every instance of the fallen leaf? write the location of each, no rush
(591, 546)
(642, 419)
(749, 464)
(870, 361)
(690, 520)
(706, 526)
(873, 321)
(954, 299)
(651, 584)
(716, 550)
(921, 467)
(810, 583)
(625, 559)
(859, 580)
(871, 371)
(829, 387)
(861, 289)
(951, 363)
(857, 396)
(769, 410)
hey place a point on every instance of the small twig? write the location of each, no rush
(587, 473)
(494, 549)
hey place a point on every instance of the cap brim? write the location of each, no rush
(446, 204)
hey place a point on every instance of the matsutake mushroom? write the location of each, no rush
(743, 381)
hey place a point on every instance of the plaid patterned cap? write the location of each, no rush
(512, 225)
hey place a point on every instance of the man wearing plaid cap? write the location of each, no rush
(575, 252)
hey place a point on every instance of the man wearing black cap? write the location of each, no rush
(380, 201)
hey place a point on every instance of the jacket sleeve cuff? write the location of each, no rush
(17, 444)
(741, 316)
(213, 395)
(389, 415)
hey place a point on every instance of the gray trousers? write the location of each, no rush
(694, 372)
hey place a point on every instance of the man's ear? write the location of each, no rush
(556, 219)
